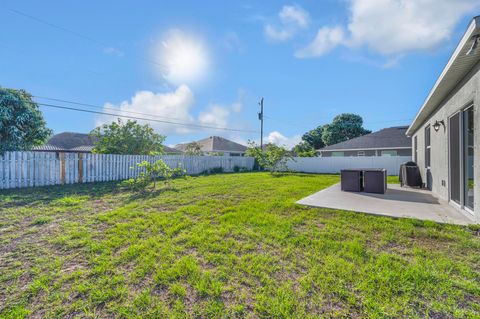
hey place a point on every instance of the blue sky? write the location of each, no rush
(209, 62)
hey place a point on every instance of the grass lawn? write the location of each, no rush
(229, 246)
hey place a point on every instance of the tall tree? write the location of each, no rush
(303, 149)
(127, 138)
(343, 127)
(22, 125)
(314, 137)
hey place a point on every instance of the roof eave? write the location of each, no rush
(417, 121)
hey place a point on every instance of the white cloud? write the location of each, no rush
(278, 138)
(278, 35)
(175, 106)
(172, 106)
(395, 27)
(184, 57)
(294, 15)
(327, 39)
(292, 18)
(219, 115)
(215, 116)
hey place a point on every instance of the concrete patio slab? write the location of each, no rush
(396, 202)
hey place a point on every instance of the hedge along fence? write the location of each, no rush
(33, 169)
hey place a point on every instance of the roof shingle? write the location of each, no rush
(392, 137)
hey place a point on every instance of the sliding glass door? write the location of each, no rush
(461, 148)
(468, 139)
(455, 158)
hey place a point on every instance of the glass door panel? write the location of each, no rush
(468, 141)
(455, 160)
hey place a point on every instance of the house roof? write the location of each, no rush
(171, 150)
(46, 148)
(392, 137)
(456, 69)
(216, 144)
(69, 140)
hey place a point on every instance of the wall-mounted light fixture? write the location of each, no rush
(436, 125)
(474, 46)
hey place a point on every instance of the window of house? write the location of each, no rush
(338, 154)
(361, 153)
(427, 147)
(415, 149)
(389, 153)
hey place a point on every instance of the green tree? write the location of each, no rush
(343, 127)
(314, 137)
(303, 149)
(193, 149)
(21, 123)
(127, 138)
(272, 158)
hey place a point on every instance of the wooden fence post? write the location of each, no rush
(80, 168)
(62, 168)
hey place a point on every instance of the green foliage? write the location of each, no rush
(343, 127)
(239, 169)
(127, 138)
(151, 173)
(304, 149)
(21, 123)
(272, 158)
(313, 138)
(193, 149)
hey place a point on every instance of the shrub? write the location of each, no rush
(239, 169)
(272, 157)
(152, 172)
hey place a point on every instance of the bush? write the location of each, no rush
(272, 157)
(152, 172)
(239, 169)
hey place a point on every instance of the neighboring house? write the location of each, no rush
(445, 132)
(390, 141)
(68, 142)
(217, 145)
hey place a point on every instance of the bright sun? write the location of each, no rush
(184, 57)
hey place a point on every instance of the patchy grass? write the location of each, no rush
(229, 246)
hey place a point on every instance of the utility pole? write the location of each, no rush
(260, 117)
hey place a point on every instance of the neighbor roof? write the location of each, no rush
(171, 150)
(456, 69)
(392, 137)
(216, 144)
(69, 140)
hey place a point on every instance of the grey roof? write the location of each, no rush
(171, 150)
(69, 140)
(216, 144)
(83, 148)
(46, 148)
(392, 137)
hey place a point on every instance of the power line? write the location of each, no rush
(145, 119)
(104, 107)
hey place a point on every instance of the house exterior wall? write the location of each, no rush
(400, 152)
(464, 95)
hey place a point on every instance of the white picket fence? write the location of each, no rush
(333, 165)
(32, 169)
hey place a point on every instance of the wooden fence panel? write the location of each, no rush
(33, 169)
